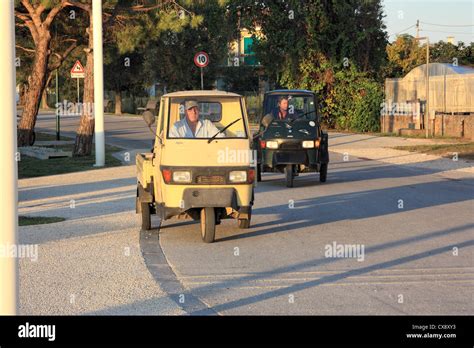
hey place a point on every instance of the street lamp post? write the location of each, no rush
(8, 150)
(98, 84)
(427, 106)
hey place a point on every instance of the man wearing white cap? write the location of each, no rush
(193, 127)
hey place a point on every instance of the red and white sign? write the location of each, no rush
(201, 59)
(78, 71)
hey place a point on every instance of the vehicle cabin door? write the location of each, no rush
(158, 149)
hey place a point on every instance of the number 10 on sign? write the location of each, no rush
(201, 60)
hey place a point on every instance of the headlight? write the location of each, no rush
(181, 176)
(272, 144)
(308, 144)
(238, 176)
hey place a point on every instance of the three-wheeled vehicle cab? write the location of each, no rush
(198, 170)
(290, 138)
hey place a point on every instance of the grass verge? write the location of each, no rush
(463, 151)
(38, 220)
(29, 167)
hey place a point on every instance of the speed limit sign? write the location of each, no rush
(201, 59)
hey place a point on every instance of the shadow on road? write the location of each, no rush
(342, 206)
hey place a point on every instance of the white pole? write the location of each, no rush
(98, 84)
(428, 122)
(8, 149)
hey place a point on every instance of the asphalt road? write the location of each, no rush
(280, 266)
(413, 226)
(128, 132)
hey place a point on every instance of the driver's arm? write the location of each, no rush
(211, 129)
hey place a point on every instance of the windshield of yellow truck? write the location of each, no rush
(204, 117)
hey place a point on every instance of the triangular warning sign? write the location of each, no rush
(77, 68)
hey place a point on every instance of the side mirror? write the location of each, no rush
(267, 120)
(149, 118)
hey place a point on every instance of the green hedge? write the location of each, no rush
(349, 99)
(353, 103)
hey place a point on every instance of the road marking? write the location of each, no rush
(329, 272)
(466, 281)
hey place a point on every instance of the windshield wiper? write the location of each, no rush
(222, 130)
(306, 113)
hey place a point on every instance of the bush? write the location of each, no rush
(354, 102)
(348, 99)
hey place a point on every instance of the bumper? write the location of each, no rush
(272, 159)
(194, 198)
(209, 197)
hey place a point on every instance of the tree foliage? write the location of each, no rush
(404, 54)
(334, 48)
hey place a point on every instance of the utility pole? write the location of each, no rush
(98, 84)
(427, 74)
(428, 123)
(8, 150)
(417, 28)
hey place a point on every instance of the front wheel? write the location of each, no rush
(323, 172)
(289, 175)
(146, 216)
(208, 224)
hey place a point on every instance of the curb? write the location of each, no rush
(158, 266)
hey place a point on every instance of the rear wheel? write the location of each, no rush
(146, 216)
(259, 174)
(289, 175)
(323, 172)
(245, 223)
(208, 224)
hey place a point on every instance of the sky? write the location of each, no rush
(454, 15)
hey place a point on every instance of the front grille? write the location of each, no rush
(290, 146)
(210, 179)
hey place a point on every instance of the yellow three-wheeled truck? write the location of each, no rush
(201, 165)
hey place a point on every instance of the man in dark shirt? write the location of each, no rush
(281, 112)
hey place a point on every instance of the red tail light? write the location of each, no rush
(263, 144)
(251, 176)
(167, 174)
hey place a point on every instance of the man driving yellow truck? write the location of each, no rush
(192, 126)
(190, 172)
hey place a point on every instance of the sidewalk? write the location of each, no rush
(371, 147)
(91, 263)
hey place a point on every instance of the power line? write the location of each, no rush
(401, 31)
(447, 32)
(449, 25)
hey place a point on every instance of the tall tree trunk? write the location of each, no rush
(23, 90)
(36, 85)
(85, 132)
(44, 98)
(118, 102)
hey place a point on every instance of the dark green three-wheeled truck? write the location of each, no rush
(290, 139)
